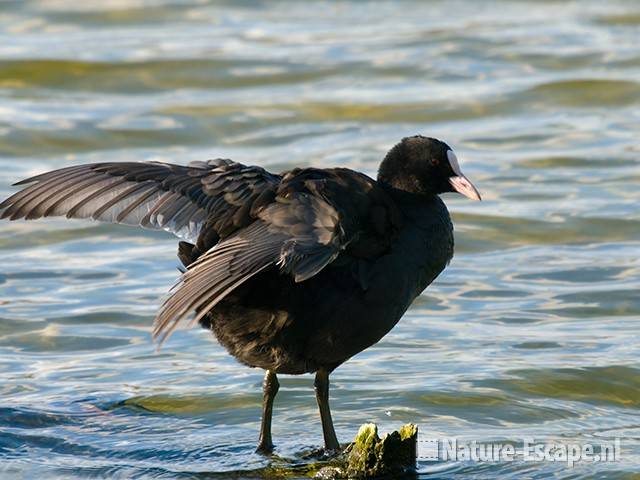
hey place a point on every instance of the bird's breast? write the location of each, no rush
(359, 318)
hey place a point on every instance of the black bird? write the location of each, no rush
(293, 272)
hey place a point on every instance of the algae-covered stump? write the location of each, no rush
(370, 456)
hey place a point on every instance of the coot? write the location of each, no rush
(293, 272)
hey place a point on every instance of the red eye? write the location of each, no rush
(434, 161)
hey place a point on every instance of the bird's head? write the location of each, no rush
(425, 165)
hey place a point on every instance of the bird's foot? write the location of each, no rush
(333, 446)
(265, 448)
(332, 452)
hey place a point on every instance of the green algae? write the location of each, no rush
(370, 456)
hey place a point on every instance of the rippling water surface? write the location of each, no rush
(532, 331)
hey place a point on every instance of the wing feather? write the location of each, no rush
(215, 274)
(151, 195)
(130, 193)
(299, 234)
(86, 206)
(66, 196)
(18, 203)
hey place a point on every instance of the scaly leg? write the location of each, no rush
(270, 387)
(322, 396)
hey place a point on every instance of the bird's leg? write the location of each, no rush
(322, 395)
(270, 387)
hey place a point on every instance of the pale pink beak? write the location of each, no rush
(459, 182)
(465, 187)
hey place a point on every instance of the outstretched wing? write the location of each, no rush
(160, 196)
(245, 218)
(317, 215)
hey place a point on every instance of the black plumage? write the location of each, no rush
(295, 272)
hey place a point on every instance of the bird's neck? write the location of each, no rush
(406, 197)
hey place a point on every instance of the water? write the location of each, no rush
(532, 331)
